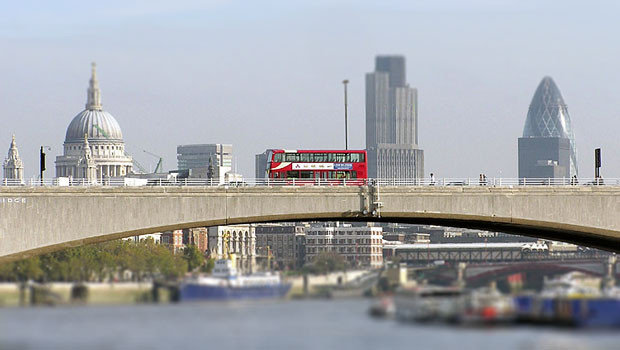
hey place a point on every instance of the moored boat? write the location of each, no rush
(428, 303)
(226, 283)
(567, 301)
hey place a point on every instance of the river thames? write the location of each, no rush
(297, 324)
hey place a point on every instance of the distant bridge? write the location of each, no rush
(483, 272)
(39, 219)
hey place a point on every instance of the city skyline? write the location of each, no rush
(166, 88)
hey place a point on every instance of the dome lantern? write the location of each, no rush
(93, 101)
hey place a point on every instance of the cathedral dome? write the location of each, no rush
(93, 121)
(96, 124)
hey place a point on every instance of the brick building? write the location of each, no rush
(282, 241)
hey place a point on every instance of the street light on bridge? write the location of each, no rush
(42, 161)
(346, 126)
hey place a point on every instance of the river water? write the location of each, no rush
(297, 324)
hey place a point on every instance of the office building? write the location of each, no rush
(205, 160)
(280, 243)
(547, 148)
(360, 246)
(392, 122)
(260, 165)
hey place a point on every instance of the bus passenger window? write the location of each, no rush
(278, 157)
(292, 174)
(320, 157)
(292, 157)
(306, 174)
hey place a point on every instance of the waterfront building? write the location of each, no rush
(156, 237)
(392, 122)
(205, 160)
(198, 236)
(239, 240)
(360, 246)
(547, 148)
(13, 167)
(280, 241)
(173, 240)
(95, 134)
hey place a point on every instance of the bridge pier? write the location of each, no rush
(460, 275)
(610, 272)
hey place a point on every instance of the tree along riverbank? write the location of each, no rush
(118, 260)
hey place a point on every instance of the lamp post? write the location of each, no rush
(346, 126)
(597, 164)
(42, 161)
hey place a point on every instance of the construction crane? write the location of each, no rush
(160, 165)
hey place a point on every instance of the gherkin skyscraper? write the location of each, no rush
(547, 148)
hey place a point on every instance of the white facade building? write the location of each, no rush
(360, 246)
(13, 166)
(241, 241)
(97, 130)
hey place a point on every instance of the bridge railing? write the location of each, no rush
(439, 182)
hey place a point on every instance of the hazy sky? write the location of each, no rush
(267, 74)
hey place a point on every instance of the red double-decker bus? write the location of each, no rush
(310, 165)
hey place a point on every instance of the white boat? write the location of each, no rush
(226, 283)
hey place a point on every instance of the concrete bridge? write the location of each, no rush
(35, 220)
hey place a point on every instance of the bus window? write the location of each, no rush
(331, 157)
(278, 157)
(292, 157)
(306, 174)
(354, 174)
(355, 157)
(341, 157)
(292, 174)
(320, 157)
(343, 175)
(305, 157)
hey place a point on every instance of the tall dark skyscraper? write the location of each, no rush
(392, 122)
(547, 148)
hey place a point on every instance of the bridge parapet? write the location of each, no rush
(39, 219)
